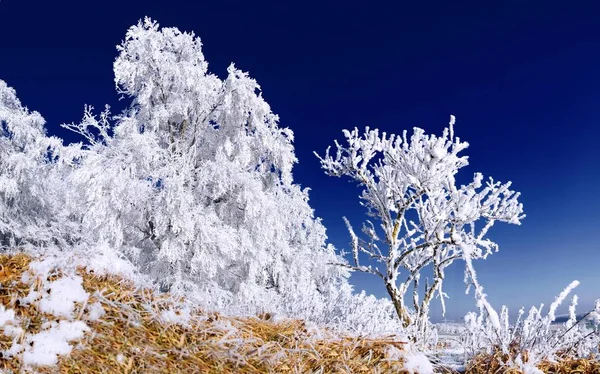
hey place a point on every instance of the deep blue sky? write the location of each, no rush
(522, 77)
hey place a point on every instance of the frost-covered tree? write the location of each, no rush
(194, 180)
(409, 187)
(192, 183)
(19, 154)
(29, 185)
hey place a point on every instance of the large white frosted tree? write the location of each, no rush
(426, 220)
(194, 180)
(192, 183)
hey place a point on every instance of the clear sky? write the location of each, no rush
(522, 78)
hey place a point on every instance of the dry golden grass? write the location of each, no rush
(130, 339)
(492, 363)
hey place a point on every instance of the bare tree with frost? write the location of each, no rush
(408, 186)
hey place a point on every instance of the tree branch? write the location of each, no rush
(363, 269)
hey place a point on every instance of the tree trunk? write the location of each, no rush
(398, 301)
(427, 298)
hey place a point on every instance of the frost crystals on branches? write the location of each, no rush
(408, 185)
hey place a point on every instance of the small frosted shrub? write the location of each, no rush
(536, 338)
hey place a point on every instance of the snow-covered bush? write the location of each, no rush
(31, 188)
(408, 185)
(538, 337)
(192, 184)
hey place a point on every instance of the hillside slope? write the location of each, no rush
(58, 315)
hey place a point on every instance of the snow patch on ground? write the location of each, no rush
(414, 361)
(56, 297)
(44, 347)
(6, 315)
(31, 297)
(61, 296)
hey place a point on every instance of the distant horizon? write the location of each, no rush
(521, 78)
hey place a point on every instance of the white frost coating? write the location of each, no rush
(414, 362)
(6, 315)
(572, 314)
(560, 298)
(95, 311)
(531, 369)
(13, 331)
(541, 336)
(64, 292)
(57, 298)
(108, 261)
(43, 348)
(42, 268)
(15, 349)
(417, 363)
(10, 326)
(527, 367)
(31, 297)
(180, 316)
(25, 277)
(595, 313)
